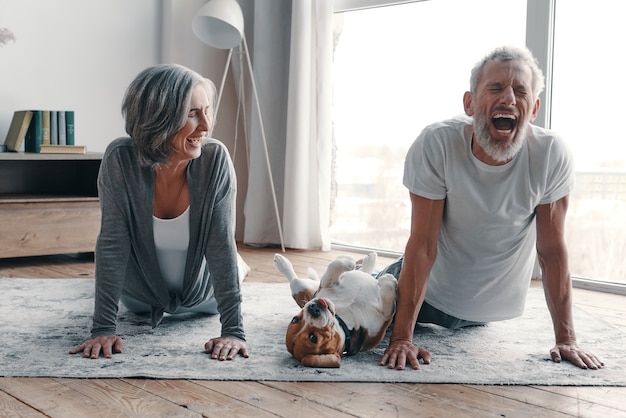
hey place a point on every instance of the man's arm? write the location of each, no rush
(557, 283)
(419, 256)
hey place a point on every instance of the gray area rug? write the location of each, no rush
(43, 318)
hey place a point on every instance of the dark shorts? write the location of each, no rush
(429, 314)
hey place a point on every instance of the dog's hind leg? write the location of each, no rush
(369, 263)
(302, 290)
(388, 290)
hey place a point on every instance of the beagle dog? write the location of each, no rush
(344, 312)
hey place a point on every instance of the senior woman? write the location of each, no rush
(167, 195)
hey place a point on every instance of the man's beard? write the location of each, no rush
(501, 151)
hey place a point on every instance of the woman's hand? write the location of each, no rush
(226, 348)
(105, 344)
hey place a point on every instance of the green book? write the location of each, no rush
(69, 127)
(34, 135)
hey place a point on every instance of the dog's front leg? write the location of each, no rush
(340, 265)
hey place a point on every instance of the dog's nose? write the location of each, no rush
(315, 309)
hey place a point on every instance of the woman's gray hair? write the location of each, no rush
(156, 106)
(510, 53)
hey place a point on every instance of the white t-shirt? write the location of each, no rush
(486, 249)
(171, 238)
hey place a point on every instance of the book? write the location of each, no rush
(54, 128)
(63, 149)
(61, 127)
(35, 128)
(17, 130)
(33, 139)
(69, 127)
(45, 127)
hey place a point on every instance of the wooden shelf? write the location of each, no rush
(48, 203)
(31, 156)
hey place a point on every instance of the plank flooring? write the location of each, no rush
(55, 397)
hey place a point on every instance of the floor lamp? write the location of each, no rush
(219, 24)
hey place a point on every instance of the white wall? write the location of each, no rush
(82, 54)
(76, 54)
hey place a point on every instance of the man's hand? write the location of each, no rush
(225, 348)
(105, 344)
(398, 352)
(575, 354)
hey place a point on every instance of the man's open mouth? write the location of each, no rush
(504, 123)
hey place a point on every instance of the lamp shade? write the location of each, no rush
(219, 23)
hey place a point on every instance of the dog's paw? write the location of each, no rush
(343, 263)
(284, 266)
(388, 281)
(369, 262)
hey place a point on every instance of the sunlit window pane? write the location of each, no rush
(397, 69)
(588, 97)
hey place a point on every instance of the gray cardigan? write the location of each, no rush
(125, 256)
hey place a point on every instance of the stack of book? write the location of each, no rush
(43, 131)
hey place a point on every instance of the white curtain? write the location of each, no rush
(292, 58)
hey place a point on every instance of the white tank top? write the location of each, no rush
(171, 238)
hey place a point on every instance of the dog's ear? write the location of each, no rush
(293, 328)
(321, 360)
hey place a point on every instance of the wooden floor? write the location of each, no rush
(51, 397)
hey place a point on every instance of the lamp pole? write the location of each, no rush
(219, 23)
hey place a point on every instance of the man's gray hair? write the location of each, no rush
(510, 53)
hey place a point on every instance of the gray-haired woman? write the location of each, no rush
(167, 195)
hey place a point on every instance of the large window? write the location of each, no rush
(588, 94)
(397, 69)
(401, 67)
